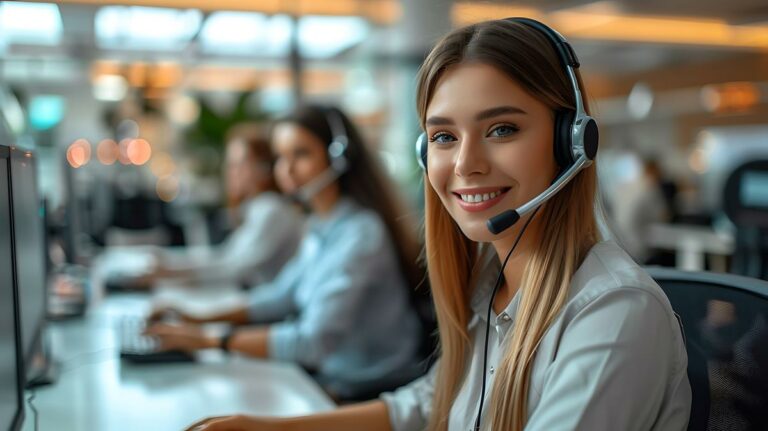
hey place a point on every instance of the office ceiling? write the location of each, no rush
(732, 11)
(605, 55)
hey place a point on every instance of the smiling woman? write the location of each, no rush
(567, 332)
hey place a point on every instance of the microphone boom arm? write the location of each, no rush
(505, 220)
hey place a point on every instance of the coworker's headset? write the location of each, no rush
(575, 138)
(336, 155)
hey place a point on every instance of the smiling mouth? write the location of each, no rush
(475, 198)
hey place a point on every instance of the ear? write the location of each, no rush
(421, 151)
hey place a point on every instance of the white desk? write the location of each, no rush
(97, 391)
(691, 244)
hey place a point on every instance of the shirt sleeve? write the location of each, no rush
(269, 225)
(410, 406)
(612, 365)
(336, 300)
(275, 301)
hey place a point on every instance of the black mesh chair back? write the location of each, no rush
(725, 320)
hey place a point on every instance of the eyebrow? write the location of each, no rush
(482, 115)
(500, 110)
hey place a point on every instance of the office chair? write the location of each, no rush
(745, 202)
(725, 321)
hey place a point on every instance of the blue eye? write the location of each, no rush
(504, 130)
(441, 138)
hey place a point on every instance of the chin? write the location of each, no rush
(476, 230)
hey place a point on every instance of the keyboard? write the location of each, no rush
(138, 348)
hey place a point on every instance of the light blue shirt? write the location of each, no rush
(353, 321)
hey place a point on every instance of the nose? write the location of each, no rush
(472, 158)
(291, 170)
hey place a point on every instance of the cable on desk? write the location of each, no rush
(32, 407)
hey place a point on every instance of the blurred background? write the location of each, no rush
(127, 105)
(124, 109)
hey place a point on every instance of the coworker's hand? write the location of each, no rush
(173, 314)
(236, 423)
(186, 337)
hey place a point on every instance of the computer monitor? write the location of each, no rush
(31, 274)
(754, 189)
(11, 362)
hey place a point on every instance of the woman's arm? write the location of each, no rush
(253, 342)
(614, 363)
(369, 416)
(266, 303)
(237, 315)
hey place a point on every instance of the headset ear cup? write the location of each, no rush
(562, 144)
(421, 151)
(591, 138)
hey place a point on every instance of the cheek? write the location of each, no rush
(440, 169)
(234, 174)
(310, 166)
(303, 170)
(530, 165)
(281, 175)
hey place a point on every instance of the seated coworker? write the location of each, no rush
(569, 333)
(347, 287)
(268, 223)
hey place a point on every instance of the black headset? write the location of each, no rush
(337, 150)
(575, 136)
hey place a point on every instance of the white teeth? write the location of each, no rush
(479, 197)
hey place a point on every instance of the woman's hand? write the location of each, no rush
(186, 337)
(236, 423)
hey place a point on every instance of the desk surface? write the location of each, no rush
(97, 391)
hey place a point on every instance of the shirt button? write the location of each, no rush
(505, 317)
(492, 370)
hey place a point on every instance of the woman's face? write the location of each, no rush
(490, 146)
(300, 156)
(245, 175)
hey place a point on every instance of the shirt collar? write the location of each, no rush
(487, 269)
(484, 277)
(322, 225)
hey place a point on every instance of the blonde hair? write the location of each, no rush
(527, 57)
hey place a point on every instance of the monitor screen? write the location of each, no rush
(30, 255)
(10, 385)
(754, 189)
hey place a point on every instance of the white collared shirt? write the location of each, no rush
(254, 252)
(613, 359)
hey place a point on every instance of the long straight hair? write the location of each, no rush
(526, 57)
(365, 182)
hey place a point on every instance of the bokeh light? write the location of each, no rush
(107, 152)
(139, 151)
(79, 153)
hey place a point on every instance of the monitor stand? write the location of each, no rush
(43, 369)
